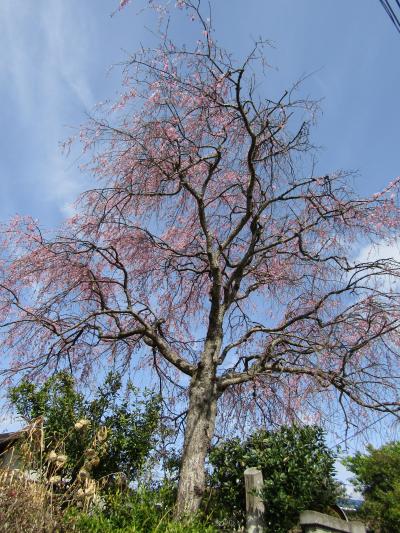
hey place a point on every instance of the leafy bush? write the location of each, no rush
(37, 498)
(85, 441)
(74, 446)
(377, 476)
(71, 422)
(298, 471)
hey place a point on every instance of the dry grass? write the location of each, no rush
(35, 496)
(26, 505)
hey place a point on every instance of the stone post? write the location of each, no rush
(254, 505)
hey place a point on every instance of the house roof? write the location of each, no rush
(8, 439)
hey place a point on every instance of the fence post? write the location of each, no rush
(253, 480)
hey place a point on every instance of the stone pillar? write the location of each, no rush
(253, 479)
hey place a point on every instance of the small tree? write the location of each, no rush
(71, 421)
(298, 470)
(210, 251)
(377, 476)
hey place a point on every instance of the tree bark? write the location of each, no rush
(200, 425)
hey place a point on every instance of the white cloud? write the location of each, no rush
(69, 209)
(382, 250)
(44, 74)
(60, 22)
(14, 66)
(44, 42)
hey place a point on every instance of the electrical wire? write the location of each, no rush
(390, 10)
(359, 431)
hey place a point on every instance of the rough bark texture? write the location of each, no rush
(198, 434)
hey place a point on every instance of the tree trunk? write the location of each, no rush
(200, 425)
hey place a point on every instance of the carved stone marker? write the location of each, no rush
(254, 505)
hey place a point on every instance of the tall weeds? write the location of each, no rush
(41, 493)
(36, 491)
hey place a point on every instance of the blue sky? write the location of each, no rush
(55, 66)
(56, 55)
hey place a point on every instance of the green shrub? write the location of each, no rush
(141, 511)
(377, 476)
(298, 471)
(131, 419)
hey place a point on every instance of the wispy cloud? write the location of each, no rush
(61, 27)
(381, 250)
(44, 46)
(378, 252)
(44, 72)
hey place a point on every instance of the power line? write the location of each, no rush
(391, 13)
(390, 10)
(360, 430)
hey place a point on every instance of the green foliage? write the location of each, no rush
(142, 511)
(298, 471)
(131, 421)
(377, 476)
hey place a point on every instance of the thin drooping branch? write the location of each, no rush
(207, 251)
